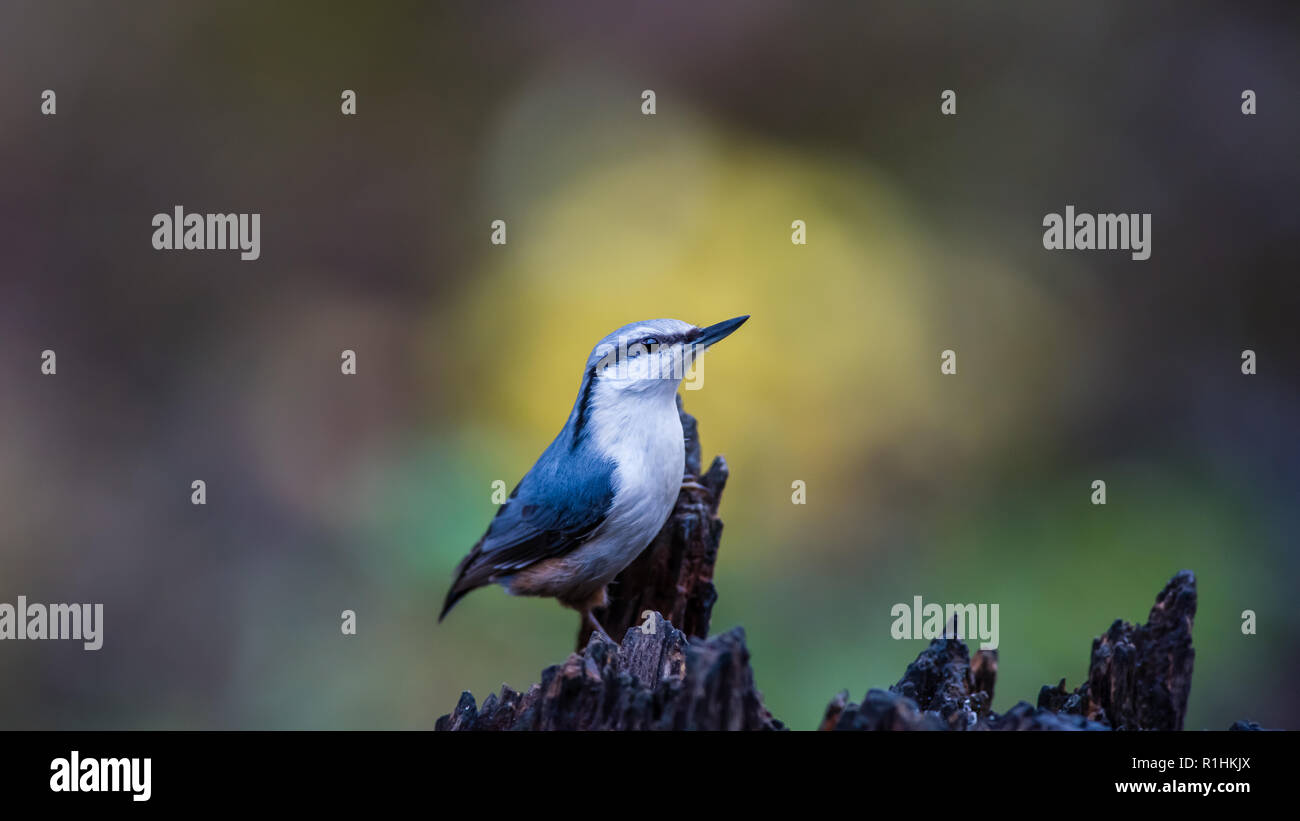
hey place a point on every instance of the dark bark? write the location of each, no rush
(1140, 677)
(658, 679)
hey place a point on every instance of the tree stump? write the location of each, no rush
(657, 679)
(1139, 679)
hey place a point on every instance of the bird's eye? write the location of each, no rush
(649, 340)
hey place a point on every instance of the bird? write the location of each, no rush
(603, 488)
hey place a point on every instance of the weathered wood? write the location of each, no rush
(938, 691)
(658, 679)
(1139, 679)
(1140, 676)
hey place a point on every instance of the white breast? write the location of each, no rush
(644, 439)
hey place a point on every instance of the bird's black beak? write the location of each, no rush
(716, 333)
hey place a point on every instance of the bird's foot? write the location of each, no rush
(596, 628)
(691, 483)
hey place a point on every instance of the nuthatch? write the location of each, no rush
(604, 488)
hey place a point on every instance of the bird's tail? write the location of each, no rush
(455, 594)
(466, 580)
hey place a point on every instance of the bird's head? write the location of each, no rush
(652, 356)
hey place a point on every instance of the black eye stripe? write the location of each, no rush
(670, 339)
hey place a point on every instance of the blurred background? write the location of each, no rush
(328, 492)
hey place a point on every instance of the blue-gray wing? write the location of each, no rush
(547, 515)
(554, 509)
